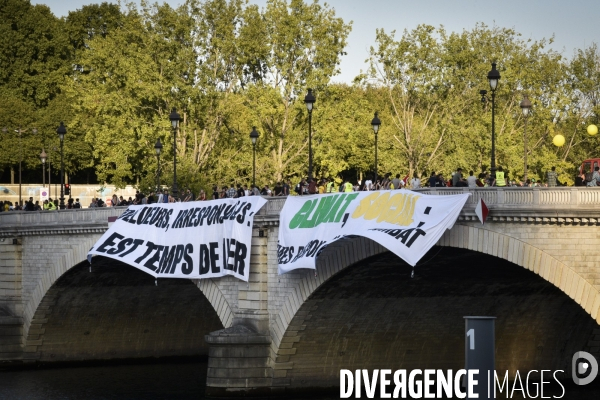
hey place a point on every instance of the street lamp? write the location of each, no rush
(525, 107)
(309, 100)
(175, 118)
(62, 131)
(493, 77)
(43, 157)
(158, 148)
(254, 136)
(375, 123)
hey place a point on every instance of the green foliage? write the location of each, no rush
(113, 75)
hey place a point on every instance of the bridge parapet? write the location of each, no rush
(559, 204)
(518, 197)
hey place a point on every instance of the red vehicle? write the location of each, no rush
(589, 165)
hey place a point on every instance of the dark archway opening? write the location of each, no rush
(373, 315)
(117, 312)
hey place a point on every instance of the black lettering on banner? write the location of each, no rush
(204, 260)
(188, 266)
(156, 215)
(313, 248)
(186, 219)
(228, 253)
(166, 220)
(211, 215)
(178, 258)
(131, 219)
(126, 215)
(136, 243)
(406, 236)
(234, 210)
(240, 255)
(240, 218)
(120, 246)
(229, 210)
(149, 247)
(155, 257)
(178, 219)
(219, 215)
(214, 257)
(190, 222)
(166, 260)
(109, 242)
(200, 218)
(140, 218)
(147, 214)
(284, 254)
(300, 253)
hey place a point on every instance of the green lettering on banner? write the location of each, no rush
(301, 215)
(330, 217)
(324, 210)
(347, 202)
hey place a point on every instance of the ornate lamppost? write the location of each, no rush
(375, 123)
(175, 118)
(62, 131)
(525, 107)
(309, 100)
(43, 157)
(254, 136)
(158, 148)
(493, 78)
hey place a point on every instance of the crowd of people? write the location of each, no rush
(316, 186)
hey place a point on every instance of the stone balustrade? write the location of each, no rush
(505, 204)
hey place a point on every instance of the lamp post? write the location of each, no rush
(175, 118)
(158, 148)
(254, 136)
(525, 107)
(43, 157)
(62, 131)
(375, 123)
(493, 77)
(309, 100)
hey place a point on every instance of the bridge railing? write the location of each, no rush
(520, 197)
(508, 198)
(13, 220)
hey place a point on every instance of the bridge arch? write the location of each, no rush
(342, 254)
(69, 254)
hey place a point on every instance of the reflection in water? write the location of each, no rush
(177, 380)
(170, 380)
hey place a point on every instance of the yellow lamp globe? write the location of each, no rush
(559, 140)
(592, 130)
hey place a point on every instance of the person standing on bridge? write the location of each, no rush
(500, 180)
(552, 178)
(595, 178)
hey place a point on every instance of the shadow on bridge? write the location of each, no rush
(117, 311)
(373, 315)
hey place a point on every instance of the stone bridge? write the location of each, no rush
(535, 264)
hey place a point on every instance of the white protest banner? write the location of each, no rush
(405, 222)
(193, 240)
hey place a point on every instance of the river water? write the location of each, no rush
(165, 380)
(169, 380)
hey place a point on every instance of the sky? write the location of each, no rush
(572, 23)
